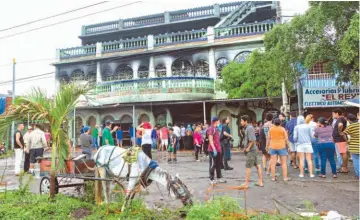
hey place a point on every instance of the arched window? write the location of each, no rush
(241, 57)
(91, 77)
(64, 78)
(220, 63)
(77, 75)
(160, 71)
(78, 126)
(202, 68)
(144, 118)
(126, 119)
(107, 75)
(182, 67)
(124, 71)
(108, 117)
(143, 72)
(92, 121)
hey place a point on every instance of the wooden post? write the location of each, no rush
(98, 189)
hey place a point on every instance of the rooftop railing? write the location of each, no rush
(215, 10)
(150, 42)
(180, 37)
(81, 51)
(244, 29)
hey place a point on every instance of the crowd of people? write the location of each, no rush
(307, 143)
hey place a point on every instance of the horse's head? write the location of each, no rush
(179, 190)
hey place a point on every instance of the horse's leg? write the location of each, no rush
(130, 193)
(105, 184)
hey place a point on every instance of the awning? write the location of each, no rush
(353, 102)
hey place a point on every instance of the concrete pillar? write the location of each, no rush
(168, 117)
(211, 35)
(168, 64)
(167, 17)
(135, 68)
(121, 24)
(212, 66)
(83, 30)
(151, 67)
(98, 49)
(217, 10)
(98, 72)
(150, 42)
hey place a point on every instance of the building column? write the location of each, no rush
(168, 68)
(98, 72)
(152, 67)
(98, 49)
(135, 68)
(212, 67)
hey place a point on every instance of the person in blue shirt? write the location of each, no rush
(290, 129)
(119, 137)
(132, 136)
(153, 137)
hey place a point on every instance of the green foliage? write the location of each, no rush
(250, 79)
(327, 33)
(8, 154)
(54, 111)
(214, 209)
(24, 185)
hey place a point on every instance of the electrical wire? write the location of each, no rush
(52, 16)
(72, 19)
(25, 78)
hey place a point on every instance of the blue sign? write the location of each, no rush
(2, 105)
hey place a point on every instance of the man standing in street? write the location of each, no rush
(225, 138)
(95, 135)
(177, 134)
(250, 152)
(107, 134)
(18, 148)
(37, 143)
(27, 149)
(339, 139)
(290, 129)
(214, 150)
(85, 142)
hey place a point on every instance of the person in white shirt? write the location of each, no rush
(37, 142)
(177, 133)
(182, 134)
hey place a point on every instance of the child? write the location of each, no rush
(3, 148)
(197, 142)
(172, 145)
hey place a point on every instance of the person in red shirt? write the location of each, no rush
(164, 137)
(197, 141)
(214, 150)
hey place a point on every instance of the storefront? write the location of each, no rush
(321, 101)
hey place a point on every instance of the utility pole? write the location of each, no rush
(285, 104)
(13, 101)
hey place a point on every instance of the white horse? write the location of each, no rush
(110, 163)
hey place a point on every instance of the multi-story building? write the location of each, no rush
(167, 65)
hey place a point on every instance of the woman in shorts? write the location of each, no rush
(303, 135)
(276, 144)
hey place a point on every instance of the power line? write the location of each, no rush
(25, 78)
(72, 19)
(53, 16)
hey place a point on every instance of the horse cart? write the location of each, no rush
(78, 170)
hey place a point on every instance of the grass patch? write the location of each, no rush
(8, 154)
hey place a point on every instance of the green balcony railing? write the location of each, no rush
(158, 85)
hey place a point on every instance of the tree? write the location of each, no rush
(250, 79)
(55, 112)
(326, 33)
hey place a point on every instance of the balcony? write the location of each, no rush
(320, 80)
(191, 38)
(155, 89)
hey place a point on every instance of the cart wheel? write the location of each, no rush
(117, 193)
(45, 185)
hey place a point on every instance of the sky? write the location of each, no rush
(35, 51)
